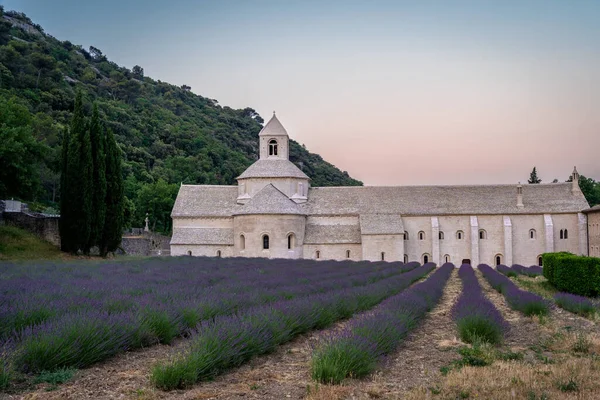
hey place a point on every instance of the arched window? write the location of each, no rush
(405, 235)
(421, 235)
(459, 235)
(425, 258)
(265, 242)
(532, 234)
(441, 235)
(498, 259)
(405, 258)
(382, 256)
(482, 234)
(242, 242)
(317, 254)
(291, 239)
(272, 147)
(566, 234)
(561, 234)
(539, 260)
(447, 258)
(218, 253)
(347, 253)
(189, 252)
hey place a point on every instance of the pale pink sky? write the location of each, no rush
(395, 92)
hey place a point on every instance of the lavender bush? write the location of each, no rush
(75, 314)
(577, 304)
(354, 352)
(477, 319)
(229, 341)
(533, 271)
(520, 300)
(506, 270)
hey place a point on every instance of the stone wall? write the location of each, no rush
(146, 244)
(43, 226)
(594, 233)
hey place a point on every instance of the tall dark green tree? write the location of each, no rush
(76, 209)
(113, 222)
(533, 177)
(97, 138)
(64, 221)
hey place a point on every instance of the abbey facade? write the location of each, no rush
(274, 212)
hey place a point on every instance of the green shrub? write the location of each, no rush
(573, 274)
(476, 328)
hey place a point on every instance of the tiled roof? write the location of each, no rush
(273, 168)
(205, 200)
(381, 224)
(269, 200)
(444, 200)
(593, 209)
(202, 236)
(273, 128)
(323, 234)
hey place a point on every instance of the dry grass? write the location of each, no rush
(572, 374)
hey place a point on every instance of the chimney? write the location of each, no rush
(575, 181)
(519, 195)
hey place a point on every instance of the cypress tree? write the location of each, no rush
(65, 241)
(86, 185)
(113, 223)
(99, 179)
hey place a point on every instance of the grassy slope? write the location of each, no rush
(18, 244)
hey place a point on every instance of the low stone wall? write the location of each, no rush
(43, 226)
(146, 244)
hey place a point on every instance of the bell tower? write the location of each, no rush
(274, 141)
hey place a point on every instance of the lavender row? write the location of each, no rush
(477, 319)
(81, 338)
(520, 300)
(356, 350)
(517, 269)
(577, 304)
(46, 301)
(229, 341)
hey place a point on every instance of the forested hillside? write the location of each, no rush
(167, 134)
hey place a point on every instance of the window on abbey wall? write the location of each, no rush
(218, 253)
(566, 234)
(317, 254)
(405, 258)
(242, 242)
(540, 261)
(291, 241)
(189, 252)
(265, 242)
(421, 235)
(347, 253)
(405, 235)
(459, 235)
(425, 258)
(561, 234)
(441, 235)
(272, 147)
(498, 259)
(447, 258)
(482, 234)
(532, 234)
(382, 256)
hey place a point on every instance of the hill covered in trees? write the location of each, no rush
(168, 134)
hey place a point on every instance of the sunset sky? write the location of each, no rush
(394, 92)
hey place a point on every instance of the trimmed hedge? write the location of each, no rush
(573, 274)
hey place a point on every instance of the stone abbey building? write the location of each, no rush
(274, 212)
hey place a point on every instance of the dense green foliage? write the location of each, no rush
(590, 189)
(110, 236)
(165, 132)
(573, 274)
(533, 177)
(98, 139)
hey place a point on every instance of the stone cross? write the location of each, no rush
(146, 228)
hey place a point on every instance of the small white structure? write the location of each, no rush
(273, 212)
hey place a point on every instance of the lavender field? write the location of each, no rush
(57, 315)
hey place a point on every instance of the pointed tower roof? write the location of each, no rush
(273, 128)
(269, 200)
